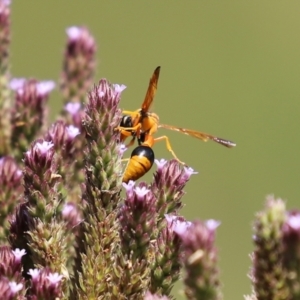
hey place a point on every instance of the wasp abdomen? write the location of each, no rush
(141, 161)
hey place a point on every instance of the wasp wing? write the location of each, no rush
(199, 135)
(151, 90)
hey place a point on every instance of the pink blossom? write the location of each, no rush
(34, 273)
(160, 163)
(294, 221)
(128, 186)
(15, 287)
(72, 131)
(73, 32)
(43, 147)
(45, 87)
(122, 149)
(54, 278)
(212, 224)
(178, 224)
(19, 253)
(189, 172)
(119, 88)
(17, 83)
(72, 108)
(141, 191)
(67, 209)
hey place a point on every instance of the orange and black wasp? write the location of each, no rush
(142, 124)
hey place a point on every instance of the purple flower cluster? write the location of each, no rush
(67, 231)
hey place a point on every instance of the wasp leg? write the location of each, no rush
(127, 130)
(123, 131)
(125, 159)
(130, 143)
(150, 141)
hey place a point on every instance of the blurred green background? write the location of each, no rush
(229, 68)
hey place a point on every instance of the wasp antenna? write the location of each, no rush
(157, 70)
(225, 143)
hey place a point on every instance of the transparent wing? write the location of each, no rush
(151, 90)
(199, 135)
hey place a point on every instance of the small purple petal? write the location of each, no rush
(101, 94)
(73, 32)
(19, 173)
(170, 218)
(160, 163)
(34, 273)
(189, 172)
(181, 227)
(17, 83)
(294, 221)
(128, 186)
(54, 278)
(122, 149)
(67, 209)
(72, 107)
(119, 88)
(178, 224)
(15, 287)
(44, 147)
(6, 2)
(45, 87)
(19, 253)
(72, 131)
(141, 191)
(212, 224)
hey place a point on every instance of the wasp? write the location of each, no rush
(142, 124)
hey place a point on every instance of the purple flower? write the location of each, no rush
(160, 163)
(119, 88)
(67, 209)
(180, 227)
(177, 223)
(137, 218)
(10, 174)
(200, 260)
(141, 192)
(149, 296)
(122, 149)
(42, 147)
(293, 221)
(54, 278)
(72, 108)
(73, 32)
(45, 87)
(42, 87)
(212, 224)
(71, 214)
(189, 172)
(15, 287)
(34, 273)
(72, 131)
(129, 186)
(6, 2)
(19, 253)
(17, 83)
